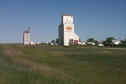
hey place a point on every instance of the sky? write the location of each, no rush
(92, 18)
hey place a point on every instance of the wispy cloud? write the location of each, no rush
(1, 11)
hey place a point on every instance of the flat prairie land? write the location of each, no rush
(40, 64)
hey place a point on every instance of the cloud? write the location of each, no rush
(1, 11)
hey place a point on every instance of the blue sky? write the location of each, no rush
(92, 18)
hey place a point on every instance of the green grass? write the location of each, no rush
(61, 65)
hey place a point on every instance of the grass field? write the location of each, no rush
(61, 65)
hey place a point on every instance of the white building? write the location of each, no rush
(116, 42)
(91, 43)
(26, 37)
(82, 43)
(66, 31)
(32, 43)
(100, 43)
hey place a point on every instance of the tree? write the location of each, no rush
(79, 40)
(90, 40)
(96, 42)
(53, 41)
(108, 41)
(123, 42)
(57, 40)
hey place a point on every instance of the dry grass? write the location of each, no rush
(18, 57)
